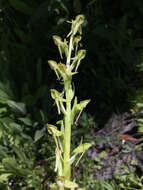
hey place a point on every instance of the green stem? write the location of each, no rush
(67, 135)
(67, 120)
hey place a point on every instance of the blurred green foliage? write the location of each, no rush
(112, 36)
(110, 75)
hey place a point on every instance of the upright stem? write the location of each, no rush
(67, 135)
(67, 120)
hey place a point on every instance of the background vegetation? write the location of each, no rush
(111, 76)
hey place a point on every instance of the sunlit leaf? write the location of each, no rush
(82, 104)
(82, 147)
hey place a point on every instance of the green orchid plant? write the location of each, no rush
(67, 105)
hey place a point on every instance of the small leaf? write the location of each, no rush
(53, 130)
(82, 147)
(82, 104)
(74, 110)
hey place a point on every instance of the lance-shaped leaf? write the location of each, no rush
(53, 130)
(78, 108)
(62, 45)
(74, 110)
(82, 104)
(77, 59)
(76, 24)
(82, 148)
